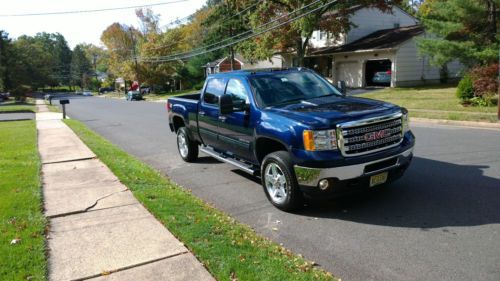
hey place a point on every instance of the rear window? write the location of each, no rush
(215, 89)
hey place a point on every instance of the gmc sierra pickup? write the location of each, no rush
(296, 131)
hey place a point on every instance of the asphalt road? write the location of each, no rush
(441, 221)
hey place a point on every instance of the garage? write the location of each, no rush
(350, 73)
(378, 73)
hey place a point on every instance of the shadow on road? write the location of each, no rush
(432, 194)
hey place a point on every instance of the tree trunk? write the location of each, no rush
(492, 20)
(300, 53)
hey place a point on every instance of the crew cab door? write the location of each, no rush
(236, 128)
(208, 113)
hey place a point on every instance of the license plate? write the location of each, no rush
(378, 179)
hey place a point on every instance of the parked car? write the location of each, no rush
(296, 131)
(87, 94)
(145, 90)
(4, 96)
(105, 90)
(382, 77)
(134, 95)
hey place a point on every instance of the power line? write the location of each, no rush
(181, 20)
(238, 35)
(248, 37)
(92, 11)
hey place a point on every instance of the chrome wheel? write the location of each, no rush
(183, 145)
(276, 183)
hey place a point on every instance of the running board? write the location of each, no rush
(240, 165)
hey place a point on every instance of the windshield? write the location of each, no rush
(286, 87)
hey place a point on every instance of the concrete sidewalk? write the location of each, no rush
(98, 230)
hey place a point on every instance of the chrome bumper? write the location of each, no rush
(311, 176)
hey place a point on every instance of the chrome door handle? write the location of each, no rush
(222, 118)
(201, 112)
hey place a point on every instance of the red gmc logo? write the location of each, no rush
(372, 136)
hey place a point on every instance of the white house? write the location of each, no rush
(378, 42)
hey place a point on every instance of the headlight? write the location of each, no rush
(320, 140)
(406, 123)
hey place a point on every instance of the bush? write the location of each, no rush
(20, 92)
(485, 80)
(481, 102)
(465, 89)
(198, 86)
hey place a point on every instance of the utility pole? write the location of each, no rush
(135, 57)
(95, 66)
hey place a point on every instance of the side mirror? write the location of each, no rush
(342, 87)
(226, 104)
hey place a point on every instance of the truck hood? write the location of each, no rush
(326, 112)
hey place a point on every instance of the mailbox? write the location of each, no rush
(64, 101)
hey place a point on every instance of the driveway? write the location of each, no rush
(441, 221)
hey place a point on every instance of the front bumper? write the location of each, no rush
(308, 178)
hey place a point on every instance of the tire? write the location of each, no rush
(286, 195)
(188, 149)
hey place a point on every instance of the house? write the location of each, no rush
(378, 42)
(222, 65)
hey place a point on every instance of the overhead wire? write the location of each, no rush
(183, 55)
(91, 11)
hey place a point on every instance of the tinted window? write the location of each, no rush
(215, 88)
(237, 91)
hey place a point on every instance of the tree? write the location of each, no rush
(332, 19)
(5, 46)
(33, 63)
(466, 30)
(225, 19)
(120, 40)
(81, 68)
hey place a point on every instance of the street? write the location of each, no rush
(441, 221)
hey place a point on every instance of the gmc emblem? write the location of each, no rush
(372, 136)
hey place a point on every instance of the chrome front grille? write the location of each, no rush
(370, 135)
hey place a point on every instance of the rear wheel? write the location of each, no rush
(188, 149)
(279, 182)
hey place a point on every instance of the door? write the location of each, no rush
(236, 129)
(350, 72)
(208, 113)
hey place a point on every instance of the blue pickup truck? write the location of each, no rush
(295, 130)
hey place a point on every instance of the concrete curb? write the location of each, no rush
(98, 229)
(471, 124)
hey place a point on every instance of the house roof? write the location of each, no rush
(219, 61)
(381, 39)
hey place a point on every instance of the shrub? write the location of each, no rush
(481, 102)
(485, 80)
(20, 92)
(465, 89)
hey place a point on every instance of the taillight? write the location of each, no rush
(169, 105)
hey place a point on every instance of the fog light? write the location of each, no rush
(324, 184)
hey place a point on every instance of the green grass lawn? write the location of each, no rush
(12, 106)
(21, 204)
(436, 102)
(227, 248)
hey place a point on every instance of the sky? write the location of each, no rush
(84, 27)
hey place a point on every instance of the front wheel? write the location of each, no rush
(188, 149)
(279, 182)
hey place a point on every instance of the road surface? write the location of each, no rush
(441, 221)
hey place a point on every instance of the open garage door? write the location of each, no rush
(378, 73)
(350, 72)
